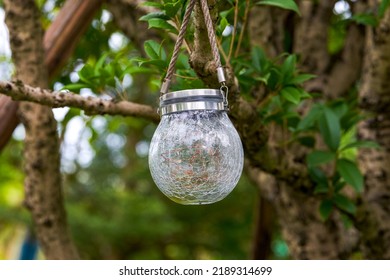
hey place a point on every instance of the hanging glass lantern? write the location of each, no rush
(196, 155)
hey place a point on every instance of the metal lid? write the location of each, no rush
(192, 99)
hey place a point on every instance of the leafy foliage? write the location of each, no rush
(284, 4)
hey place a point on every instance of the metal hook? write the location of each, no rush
(225, 92)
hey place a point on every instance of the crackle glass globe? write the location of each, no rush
(196, 155)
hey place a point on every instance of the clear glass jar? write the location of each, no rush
(196, 155)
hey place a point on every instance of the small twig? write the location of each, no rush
(222, 51)
(91, 105)
(233, 33)
(245, 20)
(185, 77)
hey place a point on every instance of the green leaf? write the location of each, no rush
(280, 116)
(362, 144)
(284, 4)
(225, 14)
(321, 189)
(132, 70)
(304, 94)
(274, 78)
(384, 5)
(309, 120)
(344, 203)
(307, 141)
(291, 94)
(288, 69)
(100, 64)
(350, 173)
(318, 176)
(161, 24)
(223, 24)
(326, 208)
(366, 19)
(75, 87)
(338, 186)
(171, 9)
(156, 62)
(340, 108)
(320, 157)
(258, 58)
(152, 49)
(152, 4)
(262, 79)
(351, 119)
(182, 62)
(330, 130)
(86, 73)
(154, 15)
(302, 78)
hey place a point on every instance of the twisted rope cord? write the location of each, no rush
(178, 44)
(211, 33)
(180, 38)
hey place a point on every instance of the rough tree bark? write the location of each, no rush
(373, 221)
(43, 184)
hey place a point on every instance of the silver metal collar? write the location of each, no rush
(192, 99)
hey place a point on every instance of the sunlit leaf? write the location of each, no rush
(362, 144)
(284, 4)
(365, 19)
(161, 24)
(302, 78)
(149, 16)
(291, 94)
(152, 49)
(384, 5)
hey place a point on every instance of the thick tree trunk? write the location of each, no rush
(43, 184)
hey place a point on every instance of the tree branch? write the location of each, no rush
(91, 105)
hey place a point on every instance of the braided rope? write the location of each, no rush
(178, 44)
(180, 38)
(211, 32)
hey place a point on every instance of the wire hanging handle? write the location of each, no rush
(213, 44)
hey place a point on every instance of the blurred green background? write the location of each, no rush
(114, 209)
